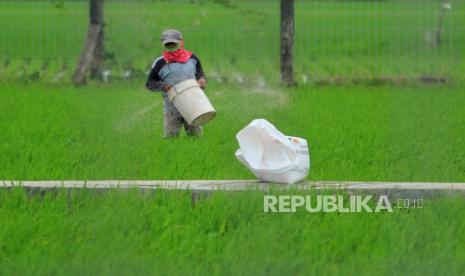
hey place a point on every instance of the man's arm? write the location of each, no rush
(154, 83)
(199, 74)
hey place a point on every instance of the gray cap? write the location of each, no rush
(171, 35)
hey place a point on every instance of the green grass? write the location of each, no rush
(131, 233)
(333, 38)
(385, 133)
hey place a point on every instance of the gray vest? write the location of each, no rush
(174, 73)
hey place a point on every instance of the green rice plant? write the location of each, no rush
(126, 232)
(114, 131)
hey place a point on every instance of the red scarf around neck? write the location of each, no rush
(180, 55)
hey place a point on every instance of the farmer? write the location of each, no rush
(176, 65)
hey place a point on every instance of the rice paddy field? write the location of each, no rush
(114, 131)
(357, 101)
(345, 39)
(132, 233)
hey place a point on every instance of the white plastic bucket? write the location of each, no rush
(192, 103)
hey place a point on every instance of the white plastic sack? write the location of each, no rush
(271, 155)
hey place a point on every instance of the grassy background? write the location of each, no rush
(128, 233)
(361, 39)
(114, 131)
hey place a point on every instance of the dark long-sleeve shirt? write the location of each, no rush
(173, 73)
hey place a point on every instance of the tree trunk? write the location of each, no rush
(93, 52)
(79, 77)
(287, 41)
(96, 17)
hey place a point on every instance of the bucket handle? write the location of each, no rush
(184, 88)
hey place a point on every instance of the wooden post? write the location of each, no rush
(287, 41)
(445, 5)
(93, 51)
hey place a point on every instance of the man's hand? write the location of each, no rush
(202, 82)
(166, 87)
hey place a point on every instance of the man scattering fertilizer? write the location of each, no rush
(175, 66)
